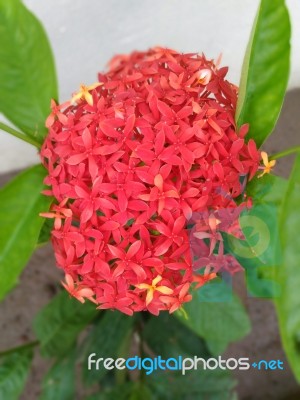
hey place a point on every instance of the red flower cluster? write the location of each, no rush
(130, 160)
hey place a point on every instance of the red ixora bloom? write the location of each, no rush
(131, 159)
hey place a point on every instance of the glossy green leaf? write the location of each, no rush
(59, 323)
(14, 368)
(21, 202)
(27, 71)
(288, 304)
(265, 70)
(217, 315)
(105, 339)
(59, 382)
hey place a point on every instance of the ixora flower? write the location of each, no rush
(134, 159)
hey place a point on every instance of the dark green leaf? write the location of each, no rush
(106, 339)
(200, 384)
(59, 382)
(168, 337)
(127, 391)
(14, 368)
(45, 233)
(216, 315)
(288, 304)
(27, 71)
(140, 391)
(265, 70)
(59, 323)
(21, 202)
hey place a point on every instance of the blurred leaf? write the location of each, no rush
(260, 254)
(127, 391)
(105, 339)
(200, 384)
(288, 304)
(265, 70)
(59, 323)
(27, 71)
(168, 337)
(216, 315)
(140, 391)
(59, 382)
(21, 202)
(14, 368)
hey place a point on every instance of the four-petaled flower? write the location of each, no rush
(204, 76)
(84, 93)
(268, 165)
(213, 234)
(80, 293)
(126, 260)
(174, 303)
(57, 113)
(152, 288)
(58, 212)
(161, 192)
(203, 279)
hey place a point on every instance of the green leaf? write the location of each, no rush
(260, 254)
(14, 368)
(21, 202)
(59, 382)
(168, 337)
(45, 233)
(105, 339)
(196, 384)
(139, 391)
(59, 323)
(265, 70)
(288, 304)
(127, 391)
(266, 190)
(27, 71)
(216, 315)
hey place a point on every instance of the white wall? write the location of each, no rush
(86, 34)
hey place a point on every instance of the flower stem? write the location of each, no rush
(286, 152)
(19, 135)
(18, 348)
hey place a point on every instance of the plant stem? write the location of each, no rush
(19, 135)
(18, 348)
(140, 329)
(286, 152)
(123, 352)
